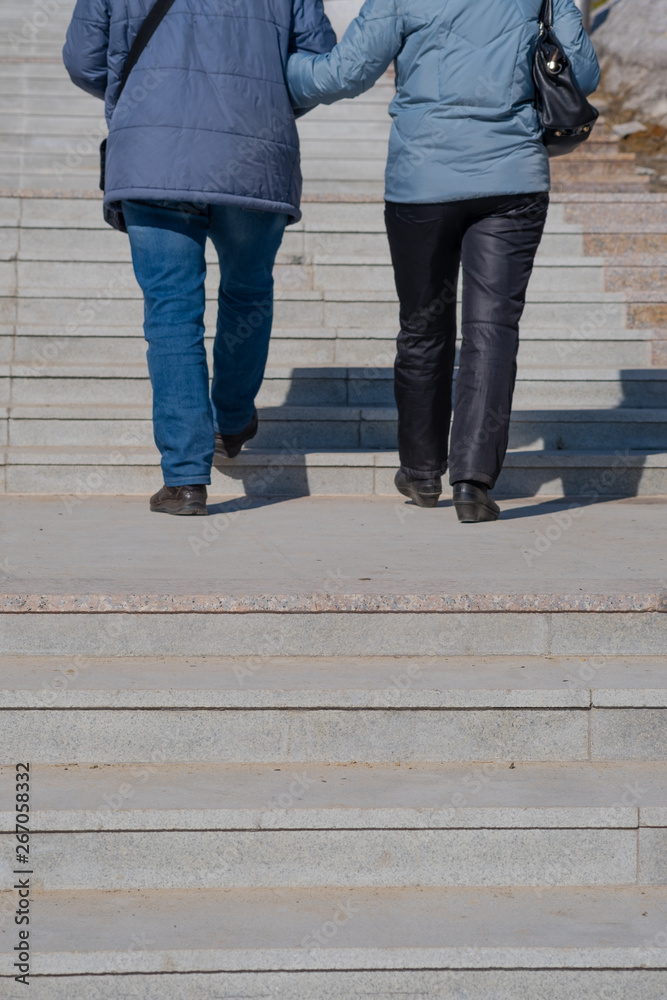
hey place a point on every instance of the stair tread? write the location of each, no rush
(398, 928)
(615, 795)
(324, 682)
(131, 369)
(338, 555)
(110, 411)
(387, 457)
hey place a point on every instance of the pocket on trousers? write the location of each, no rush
(526, 206)
(418, 214)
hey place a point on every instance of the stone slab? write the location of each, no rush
(375, 985)
(332, 554)
(397, 929)
(315, 682)
(73, 797)
(334, 858)
(653, 857)
(620, 735)
(235, 735)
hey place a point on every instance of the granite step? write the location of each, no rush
(321, 385)
(321, 427)
(126, 469)
(335, 273)
(255, 797)
(326, 944)
(294, 710)
(309, 244)
(35, 346)
(343, 859)
(580, 314)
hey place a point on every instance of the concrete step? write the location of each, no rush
(581, 314)
(127, 469)
(255, 797)
(321, 428)
(335, 711)
(36, 346)
(46, 212)
(314, 245)
(297, 683)
(610, 213)
(540, 347)
(328, 944)
(219, 859)
(127, 384)
(332, 273)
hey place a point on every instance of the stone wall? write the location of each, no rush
(632, 45)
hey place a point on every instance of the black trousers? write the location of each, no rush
(495, 241)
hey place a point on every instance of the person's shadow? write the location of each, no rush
(548, 448)
(619, 440)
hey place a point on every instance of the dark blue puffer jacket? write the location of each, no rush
(205, 115)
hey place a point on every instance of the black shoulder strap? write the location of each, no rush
(144, 35)
(547, 14)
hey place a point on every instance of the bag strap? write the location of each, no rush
(144, 35)
(547, 14)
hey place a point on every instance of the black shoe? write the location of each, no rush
(229, 445)
(473, 503)
(423, 492)
(183, 500)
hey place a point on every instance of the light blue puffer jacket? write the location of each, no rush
(464, 120)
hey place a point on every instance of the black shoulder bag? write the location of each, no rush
(566, 116)
(144, 35)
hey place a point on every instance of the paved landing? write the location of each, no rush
(331, 554)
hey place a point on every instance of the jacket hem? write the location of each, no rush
(114, 197)
(393, 198)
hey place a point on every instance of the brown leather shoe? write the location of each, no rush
(182, 500)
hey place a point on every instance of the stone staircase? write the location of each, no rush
(74, 392)
(591, 391)
(493, 824)
(490, 722)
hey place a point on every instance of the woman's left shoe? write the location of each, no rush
(423, 492)
(473, 503)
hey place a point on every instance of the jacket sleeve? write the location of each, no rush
(85, 52)
(578, 47)
(370, 44)
(311, 31)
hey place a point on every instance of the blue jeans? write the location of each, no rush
(168, 242)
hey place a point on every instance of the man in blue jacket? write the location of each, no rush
(202, 143)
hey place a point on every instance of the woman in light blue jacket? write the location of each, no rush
(466, 185)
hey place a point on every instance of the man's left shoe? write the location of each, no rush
(183, 500)
(229, 445)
